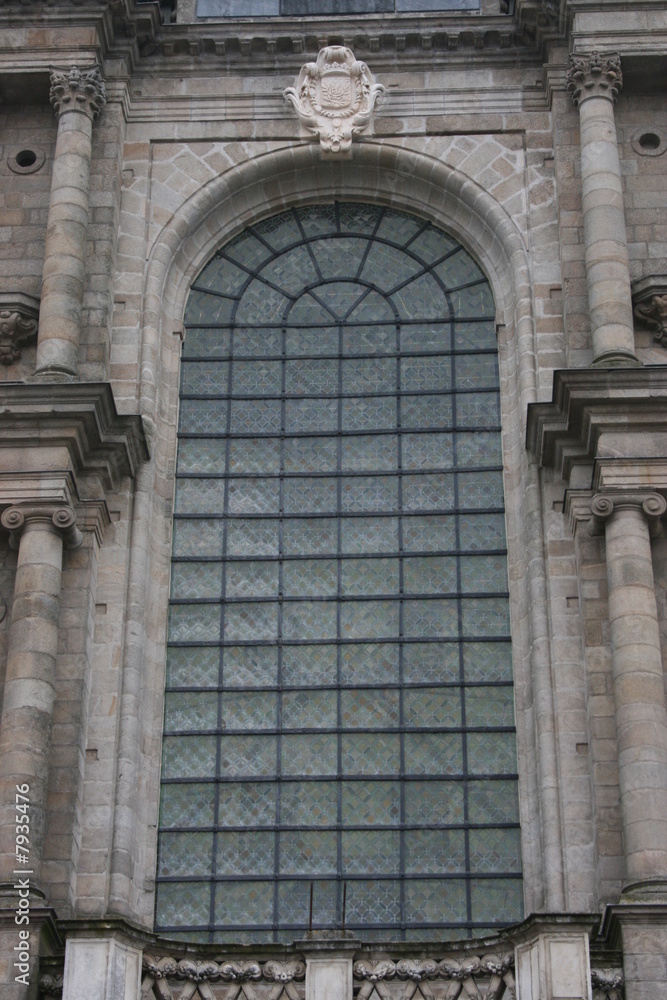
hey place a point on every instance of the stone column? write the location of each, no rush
(594, 82)
(639, 693)
(25, 724)
(77, 96)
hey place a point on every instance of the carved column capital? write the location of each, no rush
(605, 505)
(62, 518)
(18, 324)
(594, 75)
(76, 89)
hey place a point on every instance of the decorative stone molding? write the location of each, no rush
(494, 970)
(604, 505)
(649, 296)
(199, 975)
(18, 324)
(334, 98)
(76, 89)
(594, 75)
(14, 519)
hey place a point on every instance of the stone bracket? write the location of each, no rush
(649, 299)
(18, 324)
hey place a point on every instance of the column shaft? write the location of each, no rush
(594, 82)
(27, 708)
(77, 97)
(641, 718)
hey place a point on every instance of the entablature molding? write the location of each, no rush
(80, 418)
(588, 403)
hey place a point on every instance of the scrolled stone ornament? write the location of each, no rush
(417, 969)
(653, 312)
(607, 979)
(374, 971)
(334, 98)
(15, 330)
(240, 971)
(64, 519)
(197, 972)
(497, 964)
(283, 972)
(159, 968)
(594, 75)
(51, 986)
(76, 89)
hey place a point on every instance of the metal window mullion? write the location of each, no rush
(401, 613)
(339, 606)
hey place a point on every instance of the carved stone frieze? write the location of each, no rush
(387, 978)
(594, 75)
(169, 978)
(18, 324)
(76, 89)
(334, 98)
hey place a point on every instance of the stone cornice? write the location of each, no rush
(589, 402)
(80, 417)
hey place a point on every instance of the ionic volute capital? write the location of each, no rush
(61, 518)
(594, 75)
(605, 505)
(76, 89)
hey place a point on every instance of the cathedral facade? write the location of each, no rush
(333, 615)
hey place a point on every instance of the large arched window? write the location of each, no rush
(339, 706)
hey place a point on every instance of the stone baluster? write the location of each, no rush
(639, 693)
(77, 96)
(39, 530)
(594, 82)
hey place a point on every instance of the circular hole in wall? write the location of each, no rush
(649, 140)
(26, 158)
(26, 161)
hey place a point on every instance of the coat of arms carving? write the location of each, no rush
(335, 97)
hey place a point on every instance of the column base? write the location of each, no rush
(54, 374)
(617, 359)
(22, 945)
(640, 928)
(647, 890)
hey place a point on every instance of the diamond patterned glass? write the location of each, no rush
(339, 699)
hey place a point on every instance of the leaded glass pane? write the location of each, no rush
(248, 803)
(308, 852)
(247, 853)
(370, 753)
(311, 454)
(201, 455)
(312, 577)
(309, 710)
(252, 538)
(201, 537)
(370, 576)
(435, 802)
(249, 666)
(309, 665)
(371, 803)
(339, 701)
(196, 579)
(251, 579)
(185, 854)
(369, 413)
(250, 622)
(371, 852)
(370, 709)
(187, 805)
(319, 807)
(369, 663)
(309, 755)
(190, 711)
(430, 852)
(254, 455)
(193, 666)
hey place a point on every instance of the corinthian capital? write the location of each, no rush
(605, 505)
(61, 518)
(76, 89)
(594, 75)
